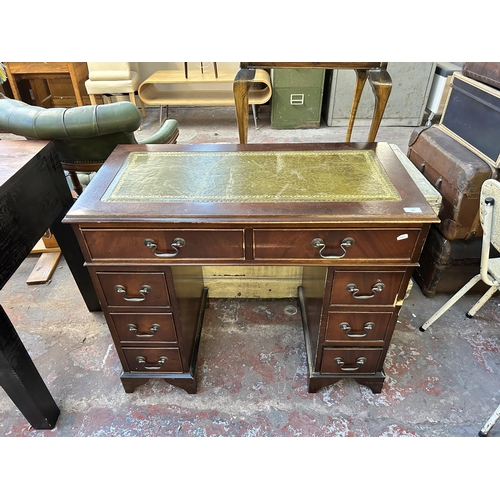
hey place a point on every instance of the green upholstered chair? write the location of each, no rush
(84, 136)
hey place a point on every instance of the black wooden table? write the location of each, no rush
(34, 196)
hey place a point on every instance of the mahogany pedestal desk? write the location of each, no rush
(375, 72)
(349, 213)
(34, 196)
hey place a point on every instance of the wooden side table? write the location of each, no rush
(34, 196)
(375, 72)
(77, 71)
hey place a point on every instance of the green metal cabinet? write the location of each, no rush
(297, 98)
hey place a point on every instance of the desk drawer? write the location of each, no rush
(357, 327)
(134, 289)
(335, 245)
(141, 327)
(153, 360)
(160, 245)
(366, 288)
(351, 361)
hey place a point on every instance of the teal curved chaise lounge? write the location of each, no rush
(84, 136)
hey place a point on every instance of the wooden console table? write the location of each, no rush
(34, 196)
(375, 72)
(77, 71)
(350, 214)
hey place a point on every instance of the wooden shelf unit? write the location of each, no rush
(172, 88)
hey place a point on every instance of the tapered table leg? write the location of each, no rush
(361, 76)
(241, 86)
(381, 84)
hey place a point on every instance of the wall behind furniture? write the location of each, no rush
(411, 84)
(146, 69)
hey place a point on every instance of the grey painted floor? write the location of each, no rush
(441, 383)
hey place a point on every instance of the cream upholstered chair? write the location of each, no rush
(113, 78)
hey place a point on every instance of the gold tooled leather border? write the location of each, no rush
(251, 176)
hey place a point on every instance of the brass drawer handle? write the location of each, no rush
(142, 361)
(145, 289)
(176, 244)
(319, 243)
(347, 329)
(359, 362)
(351, 287)
(153, 329)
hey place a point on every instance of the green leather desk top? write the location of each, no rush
(251, 176)
(207, 185)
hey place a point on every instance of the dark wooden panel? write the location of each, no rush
(29, 204)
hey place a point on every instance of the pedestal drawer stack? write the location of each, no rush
(145, 306)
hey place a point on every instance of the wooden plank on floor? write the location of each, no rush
(44, 268)
(47, 243)
(41, 248)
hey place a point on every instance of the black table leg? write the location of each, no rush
(68, 244)
(21, 381)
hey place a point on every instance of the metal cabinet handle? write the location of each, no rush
(359, 362)
(347, 329)
(351, 287)
(161, 360)
(145, 289)
(153, 329)
(319, 243)
(176, 244)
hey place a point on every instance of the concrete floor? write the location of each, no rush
(252, 365)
